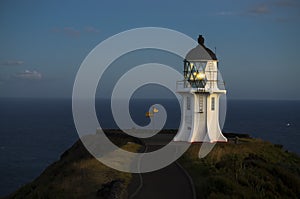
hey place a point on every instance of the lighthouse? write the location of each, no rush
(200, 97)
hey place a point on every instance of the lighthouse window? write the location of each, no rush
(188, 103)
(212, 103)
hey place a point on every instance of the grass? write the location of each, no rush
(252, 168)
(78, 175)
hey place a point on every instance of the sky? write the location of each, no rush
(43, 43)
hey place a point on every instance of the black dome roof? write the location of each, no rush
(200, 52)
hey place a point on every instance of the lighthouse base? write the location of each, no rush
(200, 118)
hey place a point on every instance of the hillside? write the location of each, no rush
(242, 168)
(79, 175)
(249, 168)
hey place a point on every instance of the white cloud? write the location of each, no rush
(260, 9)
(13, 63)
(71, 31)
(29, 75)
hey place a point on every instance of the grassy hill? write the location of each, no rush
(79, 175)
(250, 168)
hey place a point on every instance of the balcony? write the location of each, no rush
(210, 86)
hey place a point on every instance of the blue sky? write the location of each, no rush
(257, 41)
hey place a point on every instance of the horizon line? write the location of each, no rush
(141, 98)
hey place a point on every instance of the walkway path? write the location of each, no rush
(170, 182)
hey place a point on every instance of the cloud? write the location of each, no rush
(254, 10)
(280, 11)
(28, 75)
(13, 63)
(259, 9)
(285, 7)
(91, 29)
(71, 31)
(287, 3)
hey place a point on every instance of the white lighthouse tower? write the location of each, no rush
(200, 97)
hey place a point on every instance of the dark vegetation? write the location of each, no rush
(244, 168)
(79, 175)
(241, 168)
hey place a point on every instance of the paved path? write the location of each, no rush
(169, 182)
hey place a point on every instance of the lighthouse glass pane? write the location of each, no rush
(200, 66)
(194, 73)
(188, 103)
(212, 103)
(186, 70)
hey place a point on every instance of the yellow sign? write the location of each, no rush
(149, 114)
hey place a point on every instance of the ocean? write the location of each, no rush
(35, 132)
